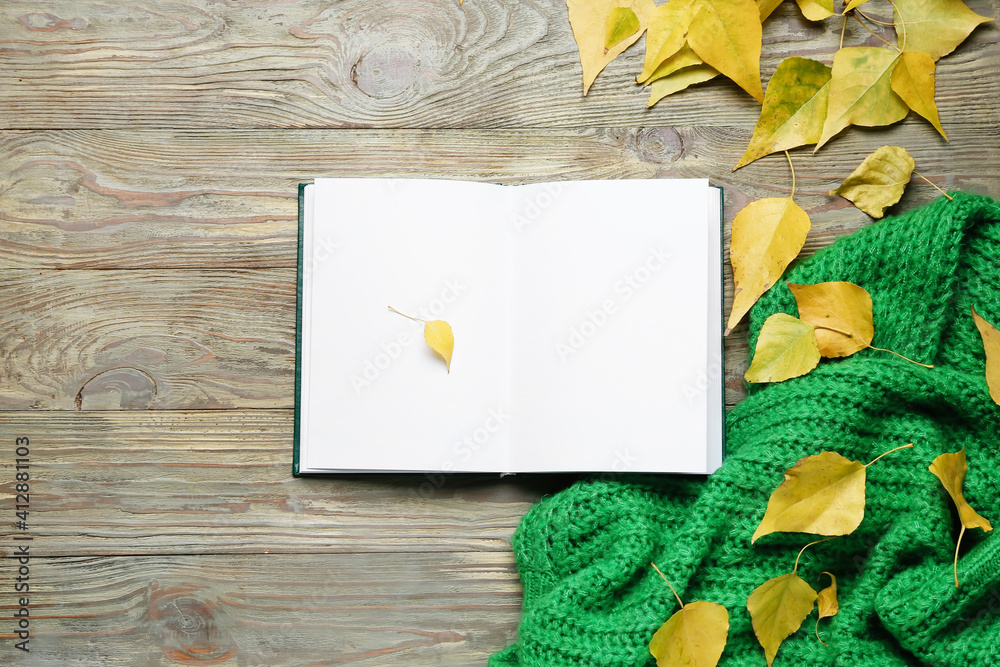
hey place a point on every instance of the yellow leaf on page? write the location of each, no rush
(439, 336)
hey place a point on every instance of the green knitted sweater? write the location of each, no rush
(590, 596)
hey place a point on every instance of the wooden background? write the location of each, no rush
(149, 157)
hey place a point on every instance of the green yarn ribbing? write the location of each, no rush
(590, 597)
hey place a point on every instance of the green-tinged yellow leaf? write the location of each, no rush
(777, 608)
(794, 109)
(678, 81)
(816, 10)
(951, 469)
(766, 8)
(683, 58)
(861, 91)
(786, 348)
(439, 336)
(622, 23)
(935, 27)
(726, 34)
(879, 180)
(841, 313)
(665, 34)
(827, 604)
(991, 343)
(854, 3)
(589, 18)
(823, 494)
(694, 636)
(913, 81)
(767, 235)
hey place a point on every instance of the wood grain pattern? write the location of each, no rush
(270, 610)
(426, 64)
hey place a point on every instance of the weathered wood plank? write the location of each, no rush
(312, 63)
(148, 482)
(226, 199)
(268, 610)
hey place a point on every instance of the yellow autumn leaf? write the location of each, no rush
(879, 180)
(786, 348)
(694, 636)
(726, 34)
(935, 27)
(951, 469)
(589, 20)
(440, 338)
(683, 58)
(679, 80)
(665, 34)
(766, 236)
(766, 8)
(854, 3)
(816, 10)
(913, 81)
(841, 312)
(823, 494)
(794, 108)
(777, 608)
(827, 604)
(991, 343)
(622, 23)
(861, 91)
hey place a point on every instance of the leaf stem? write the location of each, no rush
(882, 349)
(792, 168)
(856, 18)
(902, 24)
(950, 198)
(825, 539)
(668, 584)
(909, 446)
(829, 328)
(415, 319)
(843, 29)
(868, 18)
(957, 545)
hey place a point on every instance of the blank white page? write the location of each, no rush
(608, 325)
(375, 397)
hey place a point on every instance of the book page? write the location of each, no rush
(375, 396)
(609, 324)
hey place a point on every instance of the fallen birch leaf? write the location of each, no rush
(766, 236)
(794, 109)
(694, 636)
(727, 34)
(879, 181)
(679, 80)
(991, 343)
(786, 348)
(665, 34)
(438, 336)
(622, 23)
(816, 10)
(861, 91)
(841, 312)
(951, 469)
(823, 494)
(826, 604)
(777, 608)
(913, 81)
(589, 19)
(935, 27)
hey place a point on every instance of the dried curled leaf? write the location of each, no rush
(794, 109)
(935, 27)
(913, 81)
(991, 342)
(861, 91)
(727, 35)
(841, 312)
(766, 236)
(827, 604)
(694, 636)
(822, 494)
(622, 23)
(589, 19)
(879, 180)
(786, 348)
(777, 608)
(440, 338)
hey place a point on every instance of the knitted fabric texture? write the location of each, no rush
(590, 595)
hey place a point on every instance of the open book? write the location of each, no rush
(587, 320)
